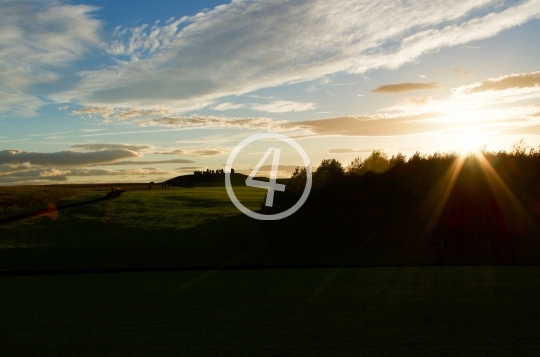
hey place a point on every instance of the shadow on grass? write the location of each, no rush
(310, 238)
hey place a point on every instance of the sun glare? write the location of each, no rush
(470, 142)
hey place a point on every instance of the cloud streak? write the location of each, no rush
(207, 152)
(99, 147)
(149, 162)
(217, 122)
(172, 152)
(373, 125)
(283, 106)
(37, 39)
(64, 158)
(248, 45)
(348, 151)
(405, 87)
(38, 175)
(502, 83)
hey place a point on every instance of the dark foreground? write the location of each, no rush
(405, 311)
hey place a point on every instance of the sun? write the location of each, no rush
(468, 142)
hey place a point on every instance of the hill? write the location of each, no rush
(212, 180)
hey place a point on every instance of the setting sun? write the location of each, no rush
(471, 142)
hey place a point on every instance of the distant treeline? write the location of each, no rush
(211, 172)
(482, 208)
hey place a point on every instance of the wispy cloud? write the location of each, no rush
(228, 106)
(190, 169)
(219, 122)
(37, 39)
(136, 42)
(276, 106)
(17, 102)
(463, 72)
(171, 152)
(513, 81)
(64, 158)
(52, 175)
(405, 87)
(348, 150)
(248, 45)
(148, 162)
(417, 101)
(283, 106)
(207, 152)
(109, 113)
(373, 125)
(96, 147)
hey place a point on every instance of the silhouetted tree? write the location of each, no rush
(377, 162)
(298, 180)
(328, 171)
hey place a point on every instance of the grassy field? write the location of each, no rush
(414, 311)
(28, 196)
(176, 208)
(17, 199)
(178, 226)
(337, 311)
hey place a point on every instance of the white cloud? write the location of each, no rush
(414, 102)
(64, 158)
(170, 152)
(513, 82)
(207, 152)
(283, 106)
(248, 45)
(405, 87)
(373, 125)
(37, 38)
(348, 150)
(19, 103)
(218, 122)
(143, 40)
(228, 106)
(51, 175)
(148, 162)
(98, 147)
(515, 120)
(109, 113)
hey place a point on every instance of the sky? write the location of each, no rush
(139, 91)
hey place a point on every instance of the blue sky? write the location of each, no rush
(101, 91)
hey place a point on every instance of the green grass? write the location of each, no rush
(28, 196)
(18, 199)
(179, 226)
(416, 311)
(80, 196)
(176, 208)
(406, 311)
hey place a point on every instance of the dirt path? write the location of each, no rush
(54, 208)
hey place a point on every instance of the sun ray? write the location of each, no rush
(503, 194)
